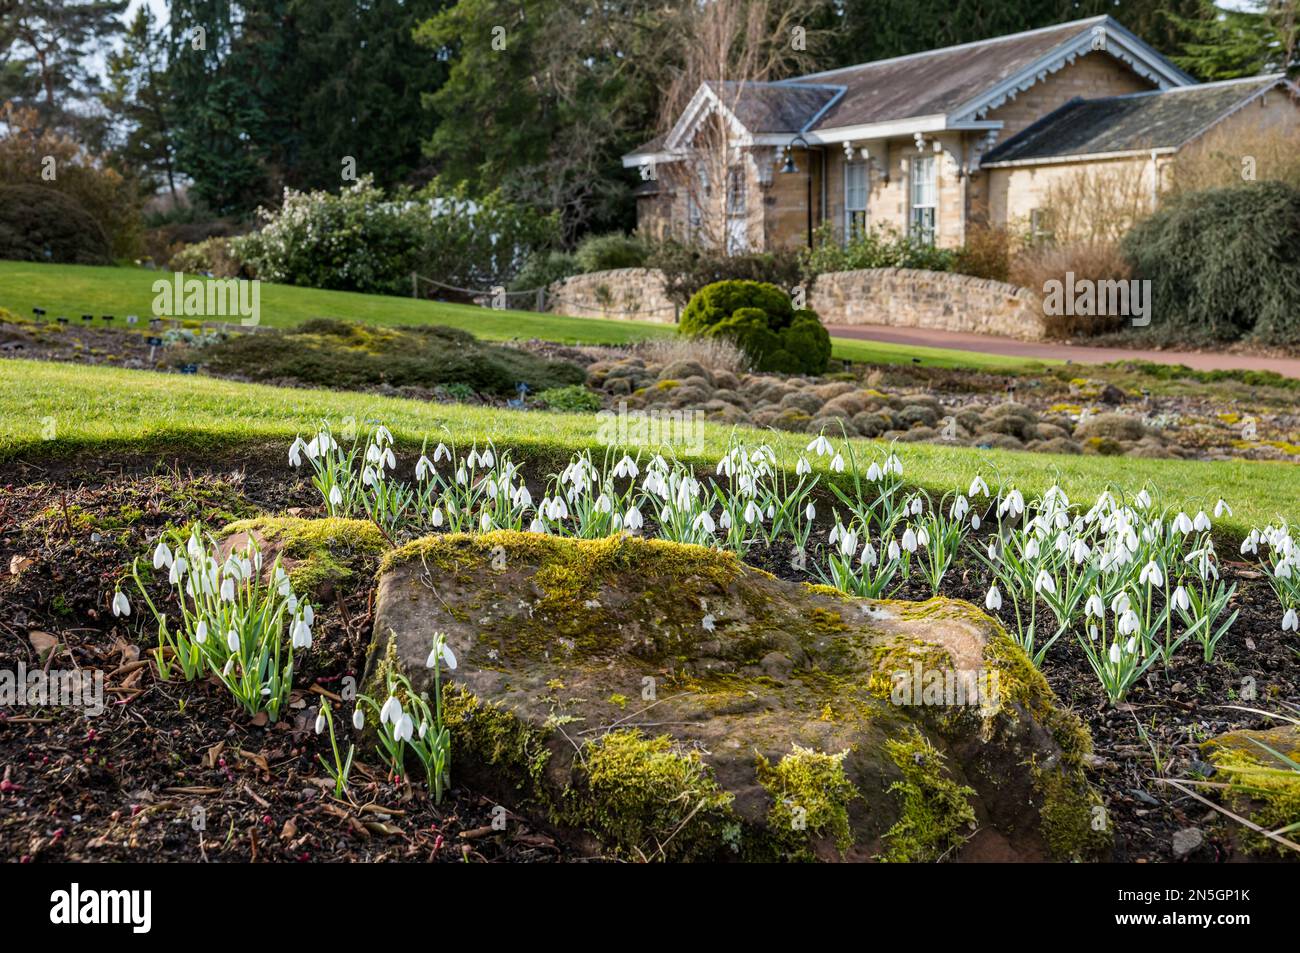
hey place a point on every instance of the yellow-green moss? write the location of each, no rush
(324, 552)
(810, 794)
(936, 816)
(1261, 788)
(1069, 812)
(487, 735)
(651, 799)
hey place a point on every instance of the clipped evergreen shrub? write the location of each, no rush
(1224, 264)
(607, 252)
(760, 319)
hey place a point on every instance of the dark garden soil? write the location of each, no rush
(134, 782)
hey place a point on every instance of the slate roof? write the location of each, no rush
(776, 107)
(1138, 121)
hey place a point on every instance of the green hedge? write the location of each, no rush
(760, 318)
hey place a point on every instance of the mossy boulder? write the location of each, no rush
(321, 556)
(657, 701)
(1261, 782)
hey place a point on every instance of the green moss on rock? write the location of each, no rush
(319, 554)
(810, 795)
(936, 816)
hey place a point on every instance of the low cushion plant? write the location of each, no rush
(761, 319)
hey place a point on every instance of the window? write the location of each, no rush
(737, 241)
(1040, 226)
(855, 200)
(924, 199)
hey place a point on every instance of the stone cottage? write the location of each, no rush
(932, 143)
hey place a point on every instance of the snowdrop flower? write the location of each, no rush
(1251, 543)
(232, 640)
(1031, 549)
(753, 514)
(874, 473)
(909, 540)
(121, 605)
(358, 718)
(460, 475)
(1120, 604)
(1128, 623)
(536, 526)
(834, 534)
(893, 552)
(369, 477)
(1080, 552)
(522, 499)
(1202, 522)
(177, 571)
(441, 651)
(1094, 607)
(1114, 653)
(201, 632)
(295, 452)
(803, 467)
(1183, 524)
(993, 599)
(1290, 621)
(1151, 574)
(162, 556)
(632, 519)
(868, 557)
(424, 468)
(821, 446)
(404, 729)
(1013, 504)
(724, 520)
(300, 637)
(228, 667)
(894, 465)
(848, 543)
(228, 590)
(810, 512)
(1143, 500)
(1045, 583)
(626, 468)
(391, 713)
(837, 464)
(1220, 508)
(336, 496)
(320, 723)
(960, 507)
(704, 521)
(436, 517)
(978, 487)
(974, 521)
(1180, 599)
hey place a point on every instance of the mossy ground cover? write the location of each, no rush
(49, 410)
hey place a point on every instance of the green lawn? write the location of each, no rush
(84, 408)
(73, 290)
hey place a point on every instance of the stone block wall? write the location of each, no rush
(631, 294)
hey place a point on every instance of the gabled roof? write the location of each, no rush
(1162, 120)
(950, 88)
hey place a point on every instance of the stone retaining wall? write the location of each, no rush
(897, 297)
(909, 298)
(634, 294)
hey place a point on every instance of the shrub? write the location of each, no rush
(1223, 263)
(1036, 265)
(606, 252)
(574, 399)
(986, 254)
(40, 224)
(688, 268)
(213, 256)
(347, 355)
(881, 247)
(761, 321)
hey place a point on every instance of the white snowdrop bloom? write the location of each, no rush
(1131, 645)
(626, 468)
(336, 496)
(810, 512)
(521, 498)
(802, 467)
(960, 507)
(874, 473)
(1151, 574)
(752, 513)
(559, 509)
(1045, 583)
(1080, 552)
(308, 613)
(1120, 603)
(848, 543)
(484, 522)
(228, 667)
(1013, 504)
(1061, 543)
(820, 446)
(974, 521)
(162, 556)
(295, 452)
(837, 464)
(1183, 523)
(300, 637)
(358, 718)
(232, 640)
(993, 599)
(121, 605)
(374, 453)
(724, 466)
(603, 504)
(201, 632)
(978, 487)
(922, 537)
(893, 552)
(1180, 599)
(391, 713)
(1220, 508)
(383, 435)
(909, 540)
(1202, 522)
(868, 557)
(369, 477)
(177, 571)
(404, 729)
(894, 465)
(834, 534)
(1094, 607)
(441, 452)
(705, 522)
(232, 568)
(228, 590)
(485, 458)
(724, 518)
(1251, 543)
(461, 477)
(1114, 653)
(1031, 549)
(632, 518)
(1290, 621)
(1092, 633)
(320, 723)
(1282, 570)
(992, 549)
(424, 468)
(536, 526)
(1143, 500)
(1128, 623)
